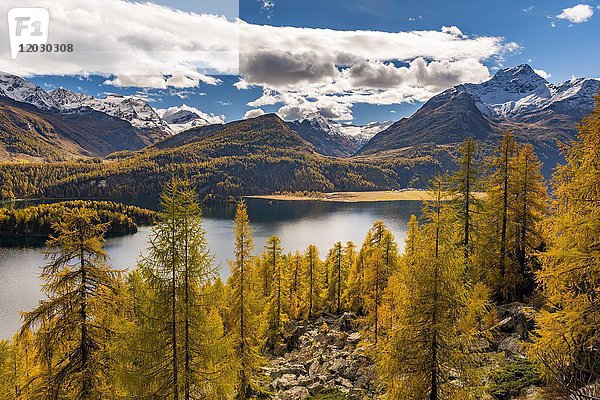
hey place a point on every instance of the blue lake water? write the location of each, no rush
(297, 223)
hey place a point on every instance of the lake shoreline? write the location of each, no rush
(353, 197)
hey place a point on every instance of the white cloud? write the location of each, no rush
(577, 14)
(267, 4)
(327, 71)
(435, 76)
(141, 44)
(257, 112)
(453, 30)
(268, 98)
(527, 9)
(304, 69)
(210, 118)
(543, 73)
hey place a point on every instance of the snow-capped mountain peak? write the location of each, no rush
(317, 121)
(185, 117)
(134, 110)
(364, 132)
(22, 90)
(517, 91)
(68, 99)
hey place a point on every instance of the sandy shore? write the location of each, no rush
(355, 197)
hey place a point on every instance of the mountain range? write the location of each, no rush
(334, 139)
(140, 124)
(60, 124)
(514, 100)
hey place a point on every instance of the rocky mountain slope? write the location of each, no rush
(333, 138)
(138, 123)
(514, 99)
(30, 133)
(328, 357)
(322, 356)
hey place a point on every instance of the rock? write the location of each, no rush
(512, 346)
(344, 382)
(295, 393)
(344, 324)
(506, 325)
(354, 337)
(313, 370)
(285, 382)
(321, 355)
(517, 318)
(315, 388)
(337, 365)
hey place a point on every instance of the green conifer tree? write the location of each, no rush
(77, 320)
(244, 306)
(567, 338)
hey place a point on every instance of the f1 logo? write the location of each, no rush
(27, 26)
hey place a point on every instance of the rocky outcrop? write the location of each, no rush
(323, 355)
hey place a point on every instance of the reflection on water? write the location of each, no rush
(297, 223)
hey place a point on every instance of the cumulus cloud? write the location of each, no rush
(278, 68)
(305, 69)
(256, 112)
(374, 45)
(577, 14)
(210, 118)
(543, 73)
(453, 30)
(140, 44)
(436, 75)
(327, 71)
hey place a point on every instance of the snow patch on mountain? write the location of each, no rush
(132, 109)
(356, 132)
(364, 132)
(518, 91)
(186, 117)
(19, 89)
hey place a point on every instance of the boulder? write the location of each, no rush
(517, 318)
(512, 346)
(295, 393)
(354, 337)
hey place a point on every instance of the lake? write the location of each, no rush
(297, 223)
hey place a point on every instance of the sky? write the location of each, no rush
(349, 60)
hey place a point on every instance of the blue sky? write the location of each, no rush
(563, 50)
(523, 32)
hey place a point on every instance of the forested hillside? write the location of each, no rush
(492, 298)
(255, 156)
(38, 220)
(31, 134)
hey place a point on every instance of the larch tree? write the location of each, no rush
(312, 284)
(530, 205)
(463, 184)
(425, 352)
(77, 320)
(337, 283)
(274, 310)
(381, 259)
(21, 375)
(244, 307)
(294, 270)
(567, 337)
(349, 260)
(494, 258)
(355, 286)
(7, 387)
(180, 333)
